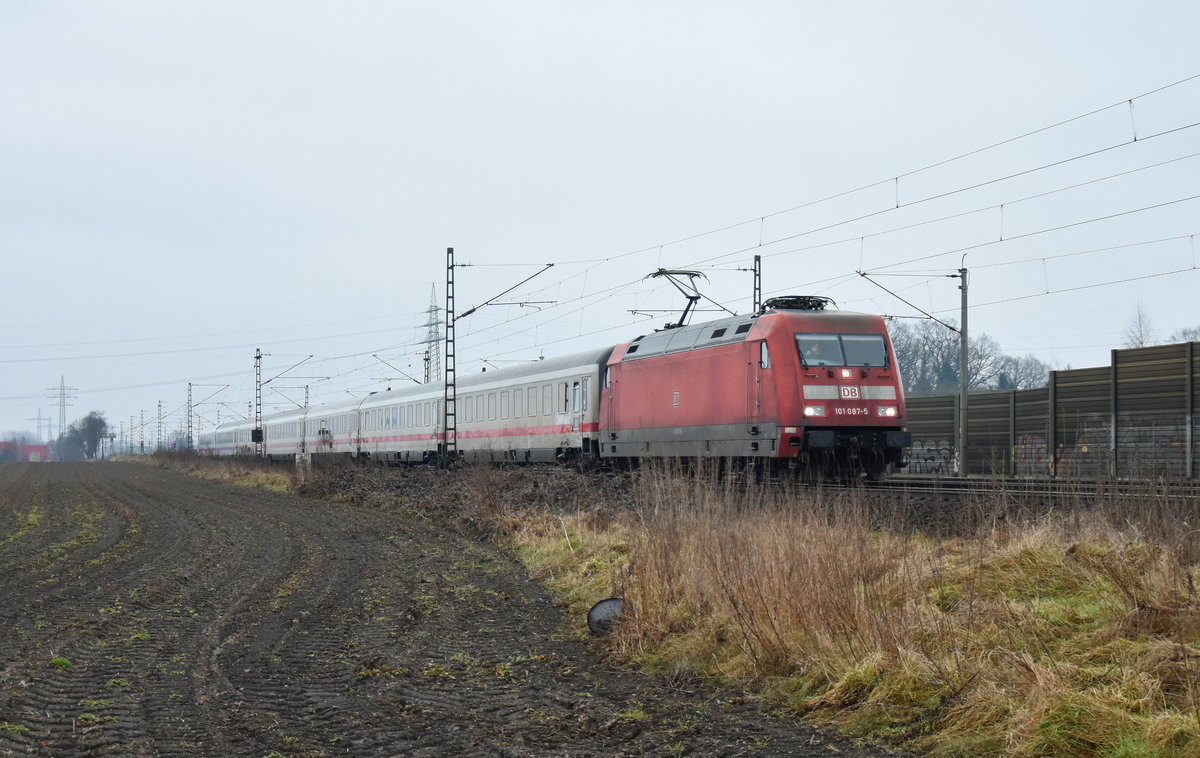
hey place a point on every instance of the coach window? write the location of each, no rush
(585, 392)
(491, 406)
(565, 396)
(468, 406)
(531, 397)
(575, 397)
(547, 400)
(518, 396)
(503, 405)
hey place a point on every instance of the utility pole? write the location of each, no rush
(61, 393)
(258, 430)
(189, 417)
(757, 284)
(450, 394)
(158, 443)
(433, 338)
(964, 374)
(963, 379)
(39, 425)
(450, 391)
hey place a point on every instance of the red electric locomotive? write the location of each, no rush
(795, 383)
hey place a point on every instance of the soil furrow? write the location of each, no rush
(191, 618)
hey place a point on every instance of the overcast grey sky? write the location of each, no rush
(185, 182)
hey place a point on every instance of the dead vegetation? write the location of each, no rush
(1047, 634)
(1068, 631)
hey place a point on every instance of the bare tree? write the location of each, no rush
(929, 357)
(1021, 373)
(1139, 332)
(1186, 334)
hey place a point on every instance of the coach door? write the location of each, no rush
(608, 391)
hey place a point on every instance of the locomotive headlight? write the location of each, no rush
(888, 411)
(847, 373)
(814, 410)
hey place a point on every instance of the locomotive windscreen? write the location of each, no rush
(842, 349)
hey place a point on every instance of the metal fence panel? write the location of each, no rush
(1133, 418)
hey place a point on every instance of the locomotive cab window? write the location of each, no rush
(865, 350)
(842, 349)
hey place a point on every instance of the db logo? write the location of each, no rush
(849, 393)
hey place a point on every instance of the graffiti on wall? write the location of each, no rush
(1029, 455)
(936, 456)
(931, 457)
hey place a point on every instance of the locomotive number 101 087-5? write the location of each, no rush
(856, 411)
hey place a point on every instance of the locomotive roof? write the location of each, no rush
(719, 332)
(735, 329)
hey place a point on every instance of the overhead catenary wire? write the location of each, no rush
(573, 305)
(911, 173)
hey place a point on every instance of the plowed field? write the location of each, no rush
(144, 612)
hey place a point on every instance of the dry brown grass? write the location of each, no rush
(1054, 635)
(244, 472)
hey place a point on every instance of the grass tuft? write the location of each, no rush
(1038, 636)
